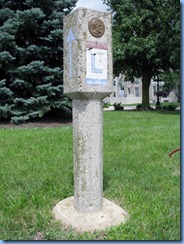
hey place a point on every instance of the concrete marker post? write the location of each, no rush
(87, 80)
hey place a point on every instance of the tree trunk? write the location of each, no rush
(146, 78)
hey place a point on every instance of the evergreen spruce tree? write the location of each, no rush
(31, 57)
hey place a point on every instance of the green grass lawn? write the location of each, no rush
(37, 172)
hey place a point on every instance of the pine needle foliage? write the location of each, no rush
(31, 58)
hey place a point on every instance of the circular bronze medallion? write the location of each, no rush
(96, 27)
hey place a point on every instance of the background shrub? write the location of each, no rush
(118, 106)
(170, 106)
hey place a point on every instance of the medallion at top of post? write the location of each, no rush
(96, 27)
(88, 54)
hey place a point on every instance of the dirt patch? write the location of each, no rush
(39, 236)
(37, 123)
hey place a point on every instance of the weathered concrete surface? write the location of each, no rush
(109, 215)
(78, 42)
(87, 80)
(88, 154)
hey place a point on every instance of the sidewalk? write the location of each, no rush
(110, 108)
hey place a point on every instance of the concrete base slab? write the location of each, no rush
(110, 215)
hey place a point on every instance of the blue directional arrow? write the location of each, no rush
(70, 39)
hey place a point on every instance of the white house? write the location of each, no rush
(126, 92)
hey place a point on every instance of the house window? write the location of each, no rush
(114, 82)
(114, 94)
(137, 91)
(154, 90)
(129, 90)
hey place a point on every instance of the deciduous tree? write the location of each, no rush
(146, 39)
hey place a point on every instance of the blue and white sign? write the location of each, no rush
(96, 66)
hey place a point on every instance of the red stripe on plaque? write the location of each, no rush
(96, 45)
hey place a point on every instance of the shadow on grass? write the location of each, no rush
(164, 112)
(176, 112)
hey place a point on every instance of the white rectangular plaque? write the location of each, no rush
(96, 66)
